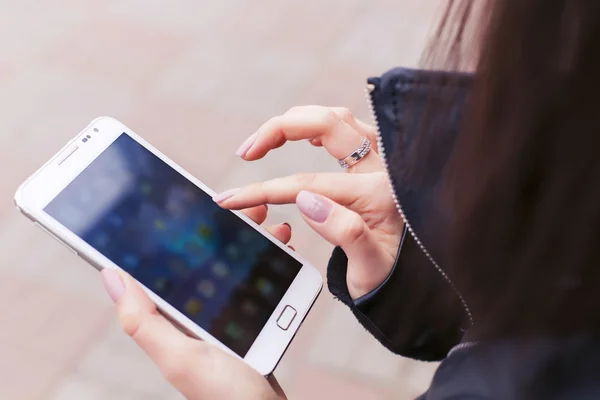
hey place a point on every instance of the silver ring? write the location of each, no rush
(357, 155)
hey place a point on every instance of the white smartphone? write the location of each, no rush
(117, 202)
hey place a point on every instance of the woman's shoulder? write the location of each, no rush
(509, 369)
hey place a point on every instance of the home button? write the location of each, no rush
(287, 316)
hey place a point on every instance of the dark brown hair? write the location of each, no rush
(523, 179)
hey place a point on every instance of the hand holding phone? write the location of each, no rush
(120, 204)
(197, 369)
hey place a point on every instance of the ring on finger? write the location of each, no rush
(357, 155)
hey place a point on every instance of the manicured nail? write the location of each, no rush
(113, 284)
(288, 225)
(221, 197)
(241, 152)
(313, 206)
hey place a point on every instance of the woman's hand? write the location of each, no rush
(200, 371)
(354, 210)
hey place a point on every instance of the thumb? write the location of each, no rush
(368, 263)
(138, 315)
(198, 370)
(175, 353)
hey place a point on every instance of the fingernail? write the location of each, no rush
(113, 284)
(288, 225)
(313, 206)
(221, 197)
(243, 149)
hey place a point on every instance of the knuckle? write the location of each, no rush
(345, 114)
(354, 230)
(276, 123)
(274, 120)
(272, 126)
(131, 322)
(331, 118)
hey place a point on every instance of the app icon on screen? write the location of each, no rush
(278, 265)
(160, 225)
(233, 252)
(173, 207)
(264, 287)
(234, 331)
(115, 220)
(145, 188)
(206, 289)
(101, 240)
(194, 248)
(204, 231)
(131, 261)
(162, 284)
(246, 235)
(177, 266)
(193, 307)
(249, 308)
(220, 269)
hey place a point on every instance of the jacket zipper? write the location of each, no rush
(368, 91)
(461, 346)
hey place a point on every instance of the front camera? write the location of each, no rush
(96, 130)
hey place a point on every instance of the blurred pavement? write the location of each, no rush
(195, 78)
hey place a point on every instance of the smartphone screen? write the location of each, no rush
(168, 234)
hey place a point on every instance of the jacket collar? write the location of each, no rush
(418, 114)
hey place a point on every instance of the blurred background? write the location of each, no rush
(195, 78)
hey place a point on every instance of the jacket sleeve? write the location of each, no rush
(403, 312)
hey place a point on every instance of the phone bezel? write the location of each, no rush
(42, 187)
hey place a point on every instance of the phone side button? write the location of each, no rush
(57, 238)
(286, 318)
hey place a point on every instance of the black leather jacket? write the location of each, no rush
(548, 369)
